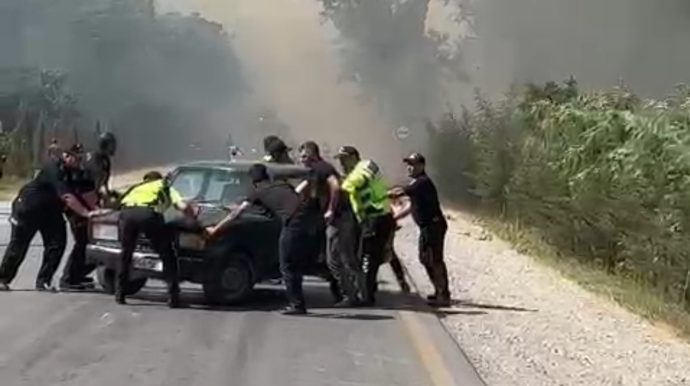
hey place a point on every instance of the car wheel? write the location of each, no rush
(106, 278)
(230, 280)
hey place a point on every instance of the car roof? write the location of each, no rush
(244, 165)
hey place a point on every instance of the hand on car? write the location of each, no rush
(98, 212)
(328, 216)
(210, 231)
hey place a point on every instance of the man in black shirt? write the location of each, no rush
(279, 198)
(75, 272)
(425, 208)
(99, 164)
(341, 225)
(38, 207)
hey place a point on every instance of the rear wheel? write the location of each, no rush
(106, 278)
(228, 280)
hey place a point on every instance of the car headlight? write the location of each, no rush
(105, 232)
(191, 241)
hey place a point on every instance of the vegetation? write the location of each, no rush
(604, 176)
(71, 68)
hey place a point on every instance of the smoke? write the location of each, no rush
(157, 80)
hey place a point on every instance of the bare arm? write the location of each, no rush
(334, 193)
(229, 218)
(403, 211)
(302, 187)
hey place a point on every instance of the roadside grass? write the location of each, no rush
(649, 304)
(9, 185)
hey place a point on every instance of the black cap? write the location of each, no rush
(259, 173)
(415, 159)
(347, 151)
(76, 149)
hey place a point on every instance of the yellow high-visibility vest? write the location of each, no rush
(367, 190)
(156, 194)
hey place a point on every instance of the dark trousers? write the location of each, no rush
(375, 235)
(342, 258)
(136, 221)
(397, 268)
(25, 225)
(293, 240)
(76, 269)
(431, 245)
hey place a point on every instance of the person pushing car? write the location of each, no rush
(38, 208)
(279, 198)
(426, 211)
(142, 211)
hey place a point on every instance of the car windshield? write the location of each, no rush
(216, 186)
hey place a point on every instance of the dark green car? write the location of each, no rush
(228, 268)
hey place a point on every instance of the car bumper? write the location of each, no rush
(144, 263)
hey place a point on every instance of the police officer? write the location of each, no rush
(279, 198)
(341, 231)
(99, 164)
(426, 211)
(369, 198)
(276, 150)
(75, 272)
(142, 213)
(38, 208)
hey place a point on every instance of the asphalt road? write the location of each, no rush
(85, 339)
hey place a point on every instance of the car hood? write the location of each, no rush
(209, 214)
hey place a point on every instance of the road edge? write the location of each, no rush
(455, 361)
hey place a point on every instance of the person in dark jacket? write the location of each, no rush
(38, 208)
(99, 164)
(76, 271)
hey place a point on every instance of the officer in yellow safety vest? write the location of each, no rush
(368, 195)
(142, 212)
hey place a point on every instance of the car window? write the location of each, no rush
(189, 183)
(226, 187)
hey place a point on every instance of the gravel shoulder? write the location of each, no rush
(522, 323)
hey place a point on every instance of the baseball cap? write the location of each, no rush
(76, 149)
(415, 158)
(347, 151)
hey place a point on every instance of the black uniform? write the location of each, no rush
(296, 237)
(427, 214)
(38, 208)
(99, 166)
(74, 275)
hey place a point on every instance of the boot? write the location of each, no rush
(174, 296)
(120, 297)
(295, 309)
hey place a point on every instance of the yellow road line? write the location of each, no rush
(426, 350)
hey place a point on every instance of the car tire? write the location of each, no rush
(228, 280)
(106, 279)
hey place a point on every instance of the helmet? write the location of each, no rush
(107, 143)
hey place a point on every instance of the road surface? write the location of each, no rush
(86, 339)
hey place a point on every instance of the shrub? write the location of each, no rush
(603, 175)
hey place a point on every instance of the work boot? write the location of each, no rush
(431, 297)
(42, 286)
(347, 303)
(174, 300)
(69, 287)
(440, 302)
(174, 296)
(4, 287)
(295, 309)
(120, 297)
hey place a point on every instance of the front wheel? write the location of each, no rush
(228, 280)
(106, 278)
